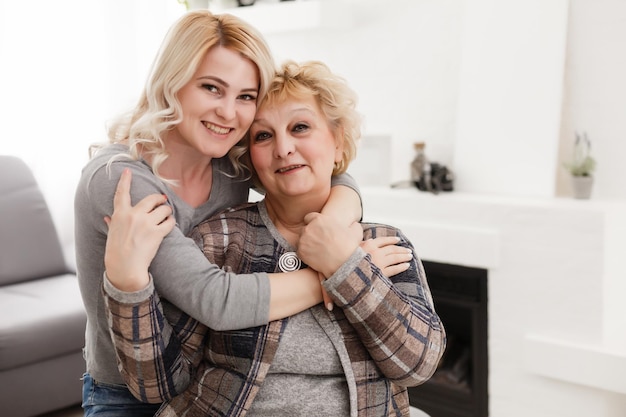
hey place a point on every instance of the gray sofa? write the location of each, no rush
(42, 319)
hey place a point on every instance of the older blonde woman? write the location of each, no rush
(357, 360)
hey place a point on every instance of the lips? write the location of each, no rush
(216, 129)
(288, 168)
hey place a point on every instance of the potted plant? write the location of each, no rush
(581, 167)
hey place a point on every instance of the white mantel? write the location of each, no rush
(556, 280)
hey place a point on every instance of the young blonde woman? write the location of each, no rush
(199, 101)
(357, 359)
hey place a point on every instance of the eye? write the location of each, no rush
(300, 127)
(210, 87)
(247, 97)
(260, 136)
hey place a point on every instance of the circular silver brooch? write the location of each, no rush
(289, 262)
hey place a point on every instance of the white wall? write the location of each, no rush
(51, 78)
(421, 80)
(510, 94)
(67, 67)
(595, 91)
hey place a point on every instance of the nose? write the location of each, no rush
(226, 109)
(284, 145)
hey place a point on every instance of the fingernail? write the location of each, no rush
(329, 306)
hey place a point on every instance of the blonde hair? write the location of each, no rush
(335, 98)
(185, 45)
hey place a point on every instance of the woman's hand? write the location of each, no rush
(387, 255)
(325, 243)
(135, 234)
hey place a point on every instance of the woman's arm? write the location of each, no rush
(183, 275)
(344, 203)
(293, 292)
(344, 208)
(288, 294)
(150, 228)
(394, 317)
(157, 351)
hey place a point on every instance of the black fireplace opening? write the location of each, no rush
(459, 386)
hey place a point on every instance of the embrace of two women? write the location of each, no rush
(191, 307)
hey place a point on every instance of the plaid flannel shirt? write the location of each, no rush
(392, 335)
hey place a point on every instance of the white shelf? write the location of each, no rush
(593, 366)
(298, 15)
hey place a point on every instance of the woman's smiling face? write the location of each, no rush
(293, 149)
(218, 103)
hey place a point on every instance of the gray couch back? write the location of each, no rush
(29, 244)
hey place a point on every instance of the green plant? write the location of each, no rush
(582, 163)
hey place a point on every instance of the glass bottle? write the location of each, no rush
(420, 168)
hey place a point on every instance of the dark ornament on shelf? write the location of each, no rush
(243, 3)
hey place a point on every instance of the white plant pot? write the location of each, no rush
(582, 186)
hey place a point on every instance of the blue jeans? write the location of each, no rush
(112, 400)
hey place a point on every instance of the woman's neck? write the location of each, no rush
(192, 172)
(287, 215)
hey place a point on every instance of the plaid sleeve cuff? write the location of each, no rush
(344, 270)
(124, 297)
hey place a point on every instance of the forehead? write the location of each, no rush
(224, 61)
(289, 103)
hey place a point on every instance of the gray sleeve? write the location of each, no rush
(347, 180)
(180, 271)
(184, 276)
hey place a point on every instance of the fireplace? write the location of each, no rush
(459, 386)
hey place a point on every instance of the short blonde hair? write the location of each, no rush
(335, 98)
(185, 45)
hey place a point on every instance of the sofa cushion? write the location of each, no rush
(28, 238)
(40, 319)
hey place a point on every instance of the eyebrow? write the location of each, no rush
(225, 84)
(292, 112)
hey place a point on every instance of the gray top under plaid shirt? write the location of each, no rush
(392, 336)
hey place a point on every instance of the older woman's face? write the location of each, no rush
(293, 149)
